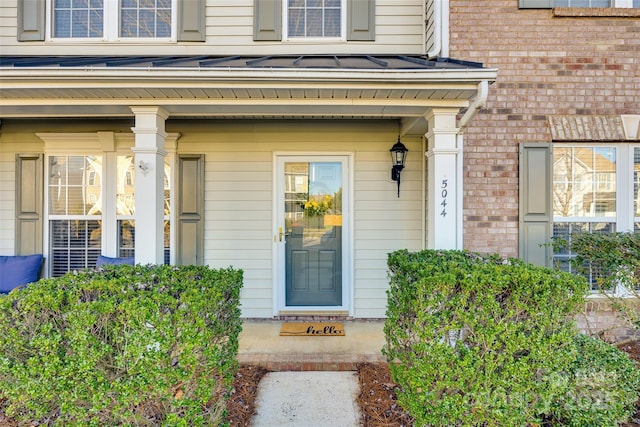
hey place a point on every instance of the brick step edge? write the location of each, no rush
(309, 362)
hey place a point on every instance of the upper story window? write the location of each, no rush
(548, 4)
(78, 18)
(596, 3)
(314, 19)
(145, 18)
(112, 19)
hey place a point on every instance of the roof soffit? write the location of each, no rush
(245, 92)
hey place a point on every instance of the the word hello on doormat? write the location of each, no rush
(312, 329)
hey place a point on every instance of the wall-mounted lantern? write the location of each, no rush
(398, 156)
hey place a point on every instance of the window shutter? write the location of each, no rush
(536, 4)
(361, 20)
(267, 20)
(31, 18)
(28, 204)
(190, 215)
(536, 213)
(191, 20)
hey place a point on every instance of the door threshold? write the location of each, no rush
(310, 315)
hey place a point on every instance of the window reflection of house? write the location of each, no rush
(584, 194)
(76, 211)
(584, 182)
(296, 191)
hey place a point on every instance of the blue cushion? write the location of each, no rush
(18, 270)
(102, 260)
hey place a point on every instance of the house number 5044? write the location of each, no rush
(443, 196)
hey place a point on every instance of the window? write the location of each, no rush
(74, 219)
(314, 18)
(595, 3)
(595, 189)
(581, 3)
(145, 18)
(135, 19)
(78, 18)
(296, 20)
(547, 4)
(77, 214)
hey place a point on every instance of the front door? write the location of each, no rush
(312, 202)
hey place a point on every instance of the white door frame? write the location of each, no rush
(279, 288)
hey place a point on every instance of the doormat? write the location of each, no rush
(312, 329)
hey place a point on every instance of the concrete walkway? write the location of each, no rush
(313, 380)
(318, 399)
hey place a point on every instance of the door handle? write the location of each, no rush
(281, 234)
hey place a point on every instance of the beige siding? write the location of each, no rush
(8, 22)
(7, 202)
(239, 172)
(13, 140)
(229, 31)
(238, 199)
(383, 222)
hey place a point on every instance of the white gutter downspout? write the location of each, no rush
(445, 29)
(478, 103)
(441, 30)
(437, 31)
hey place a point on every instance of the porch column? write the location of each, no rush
(444, 182)
(149, 153)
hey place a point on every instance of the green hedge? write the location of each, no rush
(611, 258)
(601, 386)
(478, 340)
(123, 345)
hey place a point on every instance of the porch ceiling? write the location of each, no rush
(270, 87)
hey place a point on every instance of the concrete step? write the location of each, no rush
(261, 344)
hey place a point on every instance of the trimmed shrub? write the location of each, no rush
(601, 386)
(476, 340)
(123, 345)
(612, 262)
(609, 258)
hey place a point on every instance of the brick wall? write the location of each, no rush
(547, 64)
(600, 318)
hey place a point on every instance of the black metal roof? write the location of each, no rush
(341, 62)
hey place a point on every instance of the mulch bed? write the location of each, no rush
(241, 403)
(377, 399)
